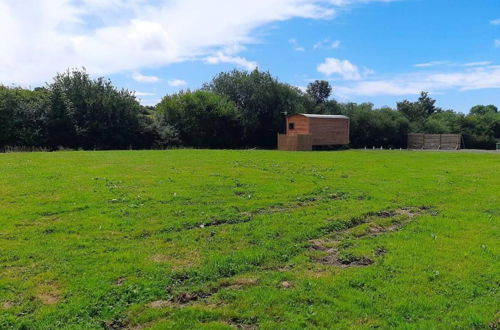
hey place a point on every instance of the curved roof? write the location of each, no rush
(308, 115)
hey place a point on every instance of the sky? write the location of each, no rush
(378, 51)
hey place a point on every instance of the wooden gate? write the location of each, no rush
(434, 141)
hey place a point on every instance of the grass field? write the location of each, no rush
(249, 239)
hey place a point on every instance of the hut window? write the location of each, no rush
(291, 126)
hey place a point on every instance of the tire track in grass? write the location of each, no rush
(309, 200)
(333, 250)
(180, 295)
(330, 246)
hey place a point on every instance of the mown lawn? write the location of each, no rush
(249, 239)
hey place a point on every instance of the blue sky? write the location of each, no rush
(377, 51)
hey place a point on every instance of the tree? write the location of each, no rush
(418, 111)
(483, 110)
(443, 122)
(319, 91)
(198, 119)
(375, 127)
(92, 114)
(22, 117)
(427, 103)
(236, 109)
(262, 102)
(481, 127)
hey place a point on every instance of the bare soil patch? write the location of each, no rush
(49, 298)
(188, 297)
(239, 283)
(378, 223)
(7, 305)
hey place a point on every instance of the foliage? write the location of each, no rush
(319, 91)
(481, 131)
(262, 102)
(92, 114)
(190, 239)
(374, 127)
(22, 117)
(420, 110)
(443, 122)
(237, 109)
(483, 110)
(201, 119)
(480, 128)
(74, 111)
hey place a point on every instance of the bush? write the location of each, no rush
(198, 119)
(22, 117)
(92, 114)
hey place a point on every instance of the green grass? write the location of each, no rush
(249, 239)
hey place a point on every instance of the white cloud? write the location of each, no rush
(482, 63)
(451, 64)
(495, 21)
(177, 83)
(221, 57)
(473, 78)
(42, 37)
(349, 2)
(139, 94)
(343, 68)
(431, 64)
(497, 43)
(327, 44)
(295, 45)
(137, 76)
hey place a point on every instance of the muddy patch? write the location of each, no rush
(332, 254)
(120, 281)
(7, 305)
(49, 298)
(220, 222)
(333, 249)
(239, 283)
(49, 293)
(159, 304)
(286, 285)
(185, 298)
(211, 223)
(240, 323)
(115, 325)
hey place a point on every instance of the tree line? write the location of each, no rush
(237, 109)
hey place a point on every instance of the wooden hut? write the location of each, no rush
(304, 131)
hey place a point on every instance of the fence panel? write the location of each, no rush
(434, 141)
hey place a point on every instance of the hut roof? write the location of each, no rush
(323, 116)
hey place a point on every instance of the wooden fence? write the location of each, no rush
(299, 142)
(434, 141)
